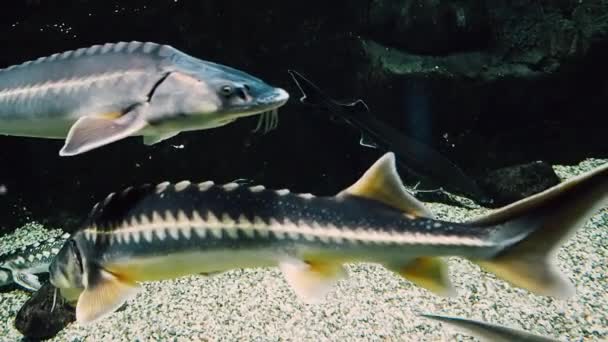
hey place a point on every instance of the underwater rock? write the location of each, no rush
(36, 320)
(509, 84)
(509, 184)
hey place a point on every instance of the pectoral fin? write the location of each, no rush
(155, 139)
(311, 281)
(90, 132)
(104, 295)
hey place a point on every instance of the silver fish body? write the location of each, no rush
(23, 265)
(97, 95)
(151, 233)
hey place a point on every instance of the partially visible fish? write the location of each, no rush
(490, 332)
(24, 265)
(151, 233)
(414, 156)
(95, 96)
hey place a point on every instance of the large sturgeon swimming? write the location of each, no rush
(150, 233)
(97, 95)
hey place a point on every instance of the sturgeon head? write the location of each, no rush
(201, 95)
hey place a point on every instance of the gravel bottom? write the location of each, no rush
(372, 305)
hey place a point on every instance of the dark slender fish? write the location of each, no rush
(23, 265)
(97, 95)
(150, 233)
(490, 332)
(412, 155)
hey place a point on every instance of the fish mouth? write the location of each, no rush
(269, 117)
(265, 105)
(261, 104)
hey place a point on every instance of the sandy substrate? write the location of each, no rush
(372, 305)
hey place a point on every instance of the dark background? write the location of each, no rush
(488, 84)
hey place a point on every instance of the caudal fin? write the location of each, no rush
(535, 227)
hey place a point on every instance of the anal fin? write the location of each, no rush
(103, 296)
(430, 273)
(311, 281)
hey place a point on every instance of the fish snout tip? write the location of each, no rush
(282, 95)
(277, 98)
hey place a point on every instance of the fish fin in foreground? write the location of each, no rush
(544, 220)
(90, 132)
(104, 293)
(310, 280)
(381, 183)
(489, 332)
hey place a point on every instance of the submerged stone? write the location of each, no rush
(35, 319)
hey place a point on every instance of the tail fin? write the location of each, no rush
(489, 332)
(537, 225)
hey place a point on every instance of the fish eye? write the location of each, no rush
(226, 90)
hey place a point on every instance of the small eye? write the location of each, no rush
(226, 90)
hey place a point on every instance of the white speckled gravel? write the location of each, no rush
(373, 305)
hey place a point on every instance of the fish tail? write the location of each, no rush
(532, 229)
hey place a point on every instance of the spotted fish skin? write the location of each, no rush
(22, 265)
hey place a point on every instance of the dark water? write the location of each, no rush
(487, 86)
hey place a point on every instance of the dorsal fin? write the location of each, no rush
(381, 182)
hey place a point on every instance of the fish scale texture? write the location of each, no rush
(372, 305)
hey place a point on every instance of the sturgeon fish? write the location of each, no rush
(24, 265)
(415, 157)
(490, 332)
(97, 95)
(151, 233)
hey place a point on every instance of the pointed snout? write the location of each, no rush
(275, 98)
